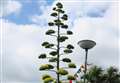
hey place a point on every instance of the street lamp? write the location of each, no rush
(86, 44)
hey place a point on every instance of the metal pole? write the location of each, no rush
(86, 50)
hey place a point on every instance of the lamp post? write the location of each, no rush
(86, 44)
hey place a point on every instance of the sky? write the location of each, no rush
(24, 22)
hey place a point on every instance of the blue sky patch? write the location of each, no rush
(29, 8)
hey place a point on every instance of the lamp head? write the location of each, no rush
(86, 44)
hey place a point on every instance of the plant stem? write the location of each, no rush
(58, 50)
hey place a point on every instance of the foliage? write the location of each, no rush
(49, 32)
(49, 45)
(54, 14)
(52, 59)
(67, 51)
(46, 66)
(45, 43)
(62, 71)
(94, 74)
(66, 60)
(65, 17)
(48, 80)
(69, 46)
(62, 38)
(53, 53)
(42, 56)
(46, 76)
(64, 26)
(71, 65)
(56, 81)
(59, 18)
(97, 75)
(112, 75)
(51, 24)
(69, 32)
(70, 77)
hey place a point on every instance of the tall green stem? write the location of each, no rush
(58, 49)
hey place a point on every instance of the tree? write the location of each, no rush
(112, 75)
(97, 75)
(94, 75)
(57, 49)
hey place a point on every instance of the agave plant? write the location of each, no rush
(57, 50)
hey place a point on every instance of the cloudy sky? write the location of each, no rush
(23, 23)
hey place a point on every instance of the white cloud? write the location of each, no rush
(40, 20)
(21, 47)
(43, 4)
(105, 36)
(9, 6)
(84, 8)
(102, 30)
(43, 18)
(81, 8)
